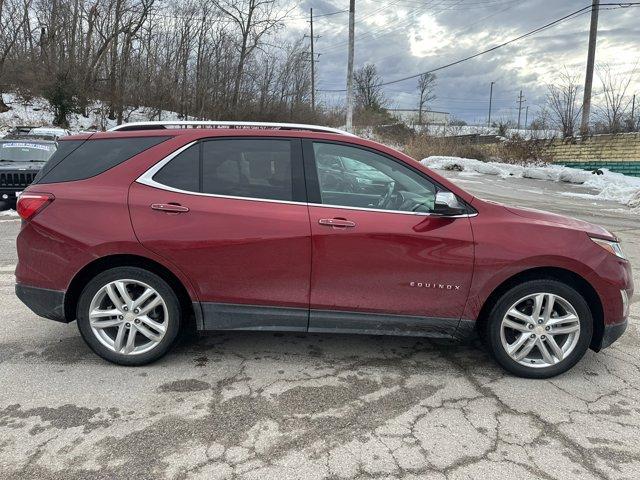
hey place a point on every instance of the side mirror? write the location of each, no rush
(447, 205)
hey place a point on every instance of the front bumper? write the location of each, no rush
(10, 194)
(43, 302)
(612, 333)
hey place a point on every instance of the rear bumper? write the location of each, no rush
(43, 302)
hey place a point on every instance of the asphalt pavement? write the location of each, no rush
(309, 406)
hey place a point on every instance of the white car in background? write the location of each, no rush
(49, 132)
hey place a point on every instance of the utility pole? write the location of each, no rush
(526, 117)
(591, 59)
(313, 65)
(352, 22)
(490, 102)
(520, 102)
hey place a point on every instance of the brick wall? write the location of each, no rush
(618, 153)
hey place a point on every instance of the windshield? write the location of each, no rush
(26, 151)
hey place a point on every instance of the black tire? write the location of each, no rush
(499, 310)
(173, 320)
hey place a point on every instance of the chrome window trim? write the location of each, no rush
(147, 179)
(402, 212)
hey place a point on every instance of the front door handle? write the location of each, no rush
(337, 222)
(169, 207)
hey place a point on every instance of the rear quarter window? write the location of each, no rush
(82, 159)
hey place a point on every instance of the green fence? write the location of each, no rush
(628, 168)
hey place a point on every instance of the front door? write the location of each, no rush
(382, 263)
(231, 214)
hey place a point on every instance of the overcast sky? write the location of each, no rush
(405, 37)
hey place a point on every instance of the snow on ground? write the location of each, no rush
(8, 213)
(457, 130)
(608, 186)
(38, 112)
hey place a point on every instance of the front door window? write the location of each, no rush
(354, 177)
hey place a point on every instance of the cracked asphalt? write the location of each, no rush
(293, 406)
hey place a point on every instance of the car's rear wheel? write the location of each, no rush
(129, 316)
(539, 329)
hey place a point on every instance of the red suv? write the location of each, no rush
(136, 231)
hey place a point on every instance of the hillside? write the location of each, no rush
(38, 112)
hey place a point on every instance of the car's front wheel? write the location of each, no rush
(539, 329)
(129, 315)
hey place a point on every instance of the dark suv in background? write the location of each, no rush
(22, 155)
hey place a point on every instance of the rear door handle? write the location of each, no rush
(169, 207)
(337, 222)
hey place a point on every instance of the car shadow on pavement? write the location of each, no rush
(387, 354)
(400, 353)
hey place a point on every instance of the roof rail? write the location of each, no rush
(221, 124)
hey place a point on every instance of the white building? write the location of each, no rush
(429, 117)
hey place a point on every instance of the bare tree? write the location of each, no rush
(368, 92)
(14, 15)
(254, 19)
(562, 103)
(616, 102)
(426, 89)
(210, 59)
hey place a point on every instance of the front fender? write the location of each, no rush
(486, 281)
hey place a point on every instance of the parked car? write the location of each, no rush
(135, 232)
(50, 132)
(21, 158)
(47, 133)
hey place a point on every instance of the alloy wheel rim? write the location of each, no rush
(128, 317)
(540, 330)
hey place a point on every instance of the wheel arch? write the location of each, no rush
(101, 264)
(550, 273)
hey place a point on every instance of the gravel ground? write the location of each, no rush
(279, 406)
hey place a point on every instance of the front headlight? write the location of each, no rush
(609, 246)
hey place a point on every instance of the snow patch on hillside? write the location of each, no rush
(608, 186)
(38, 112)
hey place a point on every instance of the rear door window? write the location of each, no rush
(250, 168)
(92, 157)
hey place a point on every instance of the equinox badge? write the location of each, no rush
(439, 286)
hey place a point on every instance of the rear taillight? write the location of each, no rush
(31, 203)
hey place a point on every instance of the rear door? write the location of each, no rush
(382, 262)
(231, 213)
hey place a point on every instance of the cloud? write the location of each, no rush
(406, 37)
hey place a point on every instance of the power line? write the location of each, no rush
(330, 14)
(470, 57)
(392, 26)
(389, 27)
